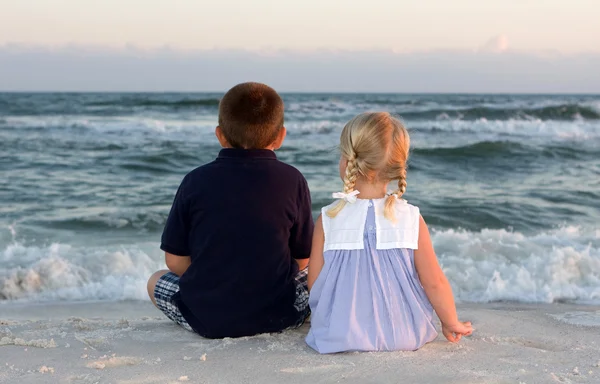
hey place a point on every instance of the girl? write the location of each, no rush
(373, 275)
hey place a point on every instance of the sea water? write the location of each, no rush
(509, 184)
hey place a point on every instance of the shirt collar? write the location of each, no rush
(236, 153)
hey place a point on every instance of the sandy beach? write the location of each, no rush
(130, 342)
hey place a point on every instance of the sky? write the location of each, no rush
(350, 45)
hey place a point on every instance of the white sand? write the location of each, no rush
(130, 342)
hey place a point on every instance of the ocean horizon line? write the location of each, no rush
(292, 92)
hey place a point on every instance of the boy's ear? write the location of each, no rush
(280, 138)
(221, 137)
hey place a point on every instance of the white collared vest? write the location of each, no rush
(346, 230)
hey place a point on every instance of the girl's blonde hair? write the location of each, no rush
(376, 146)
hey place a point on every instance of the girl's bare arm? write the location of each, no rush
(437, 287)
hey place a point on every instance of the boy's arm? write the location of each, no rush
(316, 254)
(174, 240)
(302, 263)
(302, 230)
(177, 264)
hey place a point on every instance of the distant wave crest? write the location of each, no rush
(512, 149)
(558, 112)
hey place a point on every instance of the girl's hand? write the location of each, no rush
(453, 332)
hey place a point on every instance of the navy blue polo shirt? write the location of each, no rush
(242, 219)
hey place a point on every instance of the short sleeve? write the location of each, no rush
(302, 230)
(176, 233)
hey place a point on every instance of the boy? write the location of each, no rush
(239, 233)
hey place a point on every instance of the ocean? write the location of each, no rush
(509, 184)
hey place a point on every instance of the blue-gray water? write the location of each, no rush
(509, 184)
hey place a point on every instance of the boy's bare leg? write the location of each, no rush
(152, 283)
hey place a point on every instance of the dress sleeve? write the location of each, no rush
(302, 231)
(175, 236)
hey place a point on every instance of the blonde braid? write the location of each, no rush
(349, 182)
(388, 212)
(401, 183)
(351, 174)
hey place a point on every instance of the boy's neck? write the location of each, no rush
(270, 148)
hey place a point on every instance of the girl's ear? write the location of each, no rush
(221, 137)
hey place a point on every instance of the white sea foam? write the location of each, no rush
(113, 124)
(491, 265)
(65, 272)
(318, 126)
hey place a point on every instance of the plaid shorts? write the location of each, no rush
(168, 285)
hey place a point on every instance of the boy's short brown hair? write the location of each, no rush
(251, 115)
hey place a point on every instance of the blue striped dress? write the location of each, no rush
(369, 300)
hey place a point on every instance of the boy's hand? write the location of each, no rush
(453, 332)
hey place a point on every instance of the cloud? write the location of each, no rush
(496, 44)
(77, 68)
